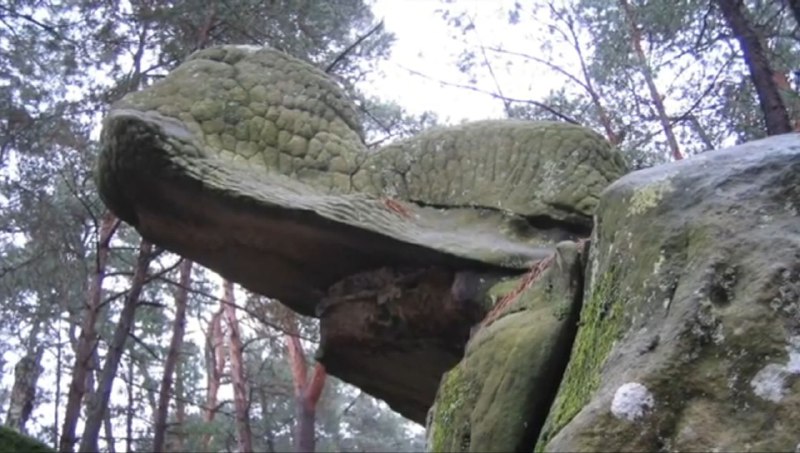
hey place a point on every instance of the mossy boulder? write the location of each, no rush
(253, 164)
(689, 336)
(13, 442)
(497, 397)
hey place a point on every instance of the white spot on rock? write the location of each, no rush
(632, 401)
(770, 382)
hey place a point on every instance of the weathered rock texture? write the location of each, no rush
(689, 336)
(252, 163)
(497, 398)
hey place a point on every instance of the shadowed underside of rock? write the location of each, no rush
(252, 164)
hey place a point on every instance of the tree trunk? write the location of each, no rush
(99, 401)
(129, 381)
(655, 96)
(266, 418)
(94, 376)
(790, 98)
(306, 410)
(180, 409)
(176, 343)
(236, 353)
(306, 394)
(700, 131)
(776, 117)
(108, 429)
(612, 135)
(88, 337)
(795, 6)
(215, 364)
(59, 374)
(23, 394)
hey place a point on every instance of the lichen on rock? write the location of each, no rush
(704, 311)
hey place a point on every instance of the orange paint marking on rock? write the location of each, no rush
(527, 280)
(397, 207)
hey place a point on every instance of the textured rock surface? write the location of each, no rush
(397, 332)
(252, 163)
(689, 336)
(498, 396)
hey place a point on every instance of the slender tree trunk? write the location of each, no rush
(149, 384)
(215, 364)
(775, 114)
(23, 393)
(266, 418)
(306, 393)
(790, 98)
(93, 377)
(700, 131)
(108, 430)
(129, 380)
(655, 96)
(180, 408)
(176, 343)
(99, 403)
(59, 372)
(612, 135)
(88, 337)
(306, 410)
(236, 353)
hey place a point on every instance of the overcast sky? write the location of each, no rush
(425, 43)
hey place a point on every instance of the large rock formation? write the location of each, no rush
(689, 331)
(251, 163)
(677, 327)
(689, 337)
(498, 396)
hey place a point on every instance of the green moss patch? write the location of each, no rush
(600, 326)
(498, 397)
(13, 442)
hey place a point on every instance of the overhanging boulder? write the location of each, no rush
(251, 163)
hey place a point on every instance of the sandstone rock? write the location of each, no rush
(689, 335)
(498, 396)
(252, 163)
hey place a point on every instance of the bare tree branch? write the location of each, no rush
(339, 58)
(497, 96)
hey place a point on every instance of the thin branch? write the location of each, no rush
(705, 93)
(143, 345)
(250, 312)
(48, 28)
(543, 61)
(339, 58)
(495, 95)
(506, 103)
